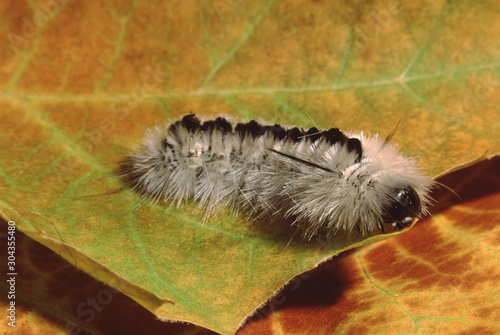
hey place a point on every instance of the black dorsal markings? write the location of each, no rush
(254, 130)
(251, 128)
(295, 134)
(277, 131)
(208, 125)
(223, 125)
(191, 122)
(219, 124)
(334, 136)
(313, 134)
(354, 144)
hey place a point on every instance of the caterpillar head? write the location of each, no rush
(404, 209)
(389, 185)
(363, 186)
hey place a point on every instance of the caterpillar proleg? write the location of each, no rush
(324, 182)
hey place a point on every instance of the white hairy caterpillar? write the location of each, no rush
(324, 182)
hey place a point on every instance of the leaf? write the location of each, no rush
(440, 277)
(75, 100)
(53, 297)
(350, 291)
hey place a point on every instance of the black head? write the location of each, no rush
(404, 209)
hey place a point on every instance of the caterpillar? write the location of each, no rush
(324, 182)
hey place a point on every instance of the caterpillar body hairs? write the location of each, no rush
(324, 182)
